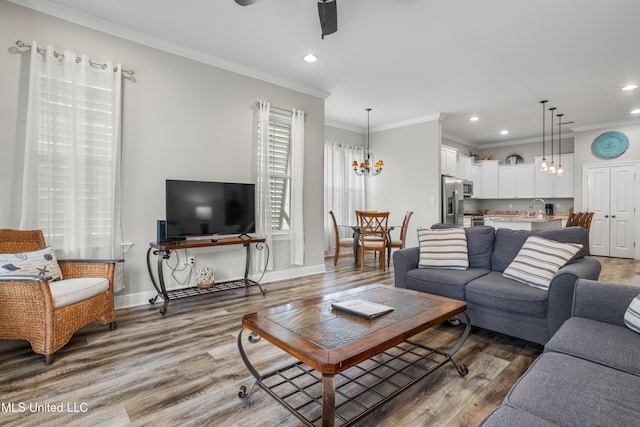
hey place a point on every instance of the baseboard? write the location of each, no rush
(142, 298)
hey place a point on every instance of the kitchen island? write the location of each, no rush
(522, 222)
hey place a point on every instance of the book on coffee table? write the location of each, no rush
(362, 308)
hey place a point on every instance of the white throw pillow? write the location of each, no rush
(538, 260)
(632, 316)
(36, 263)
(443, 248)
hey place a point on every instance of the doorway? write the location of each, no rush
(610, 193)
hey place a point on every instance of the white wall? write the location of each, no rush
(182, 120)
(410, 180)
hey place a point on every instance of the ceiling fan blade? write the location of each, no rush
(328, 13)
(246, 2)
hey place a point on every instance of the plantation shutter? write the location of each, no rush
(279, 170)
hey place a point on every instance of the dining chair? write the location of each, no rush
(44, 310)
(573, 219)
(399, 243)
(585, 220)
(373, 228)
(341, 242)
(580, 219)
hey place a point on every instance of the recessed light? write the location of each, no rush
(474, 118)
(310, 58)
(504, 132)
(630, 87)
(636, 111)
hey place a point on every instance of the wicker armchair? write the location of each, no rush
(27, 310)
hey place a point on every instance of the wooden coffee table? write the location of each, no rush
(348, 366)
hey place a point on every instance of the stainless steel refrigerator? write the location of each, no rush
(452, 201)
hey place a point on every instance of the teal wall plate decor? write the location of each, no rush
(610, 145)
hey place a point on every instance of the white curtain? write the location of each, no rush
(263, 191)
(297, 182)
(71, 183)
(343, 189)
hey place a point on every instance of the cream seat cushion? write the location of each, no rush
(346, 240)
(68, 291)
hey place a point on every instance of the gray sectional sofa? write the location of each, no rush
(493, 301)
(589, 373)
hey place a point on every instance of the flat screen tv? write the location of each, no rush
(199, 208)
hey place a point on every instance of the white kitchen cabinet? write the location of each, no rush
(476, 177)
(507, 182)
(526, 225)
(548, 185)
(489, 177)
(515, 181)
(464, 167)
(543, 182)
(448, 161)
(564, 184)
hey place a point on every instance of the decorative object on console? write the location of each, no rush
(544, 166)
(365, 167)
(610, 145)
(205, 278)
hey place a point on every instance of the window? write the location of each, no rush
(280, 170)
(75, 163)
(71, 177)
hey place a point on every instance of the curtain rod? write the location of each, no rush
(127, 74)
(280, 110)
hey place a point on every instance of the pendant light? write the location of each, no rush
(560, 170)
(544, 166)
(552, 165)
(365, 167)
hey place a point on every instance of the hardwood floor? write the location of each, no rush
(184, 368)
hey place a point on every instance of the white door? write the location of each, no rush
(597, 201)
(609, 195)
(621, 208)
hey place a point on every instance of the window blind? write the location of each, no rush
(75, 163)
(280, 170)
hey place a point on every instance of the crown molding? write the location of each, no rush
(65, 13)
(418, 120)
(345, 126)
(604, 125)
(460, 140)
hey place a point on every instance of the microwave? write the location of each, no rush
(467, 188)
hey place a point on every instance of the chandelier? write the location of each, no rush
(365, 168)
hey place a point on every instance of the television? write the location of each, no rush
(200, 208)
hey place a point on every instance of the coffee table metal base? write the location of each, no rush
(345, 398)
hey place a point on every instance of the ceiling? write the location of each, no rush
(409, 60)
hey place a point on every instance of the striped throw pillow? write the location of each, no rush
(538, 260)
(443, 248)
(632, 316)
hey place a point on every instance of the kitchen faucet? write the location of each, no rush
(537, 200)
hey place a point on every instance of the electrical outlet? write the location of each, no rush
(191, 260)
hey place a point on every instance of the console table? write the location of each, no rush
(163, 251)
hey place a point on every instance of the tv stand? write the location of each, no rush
(163, 251)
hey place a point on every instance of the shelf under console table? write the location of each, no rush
(163, 251)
